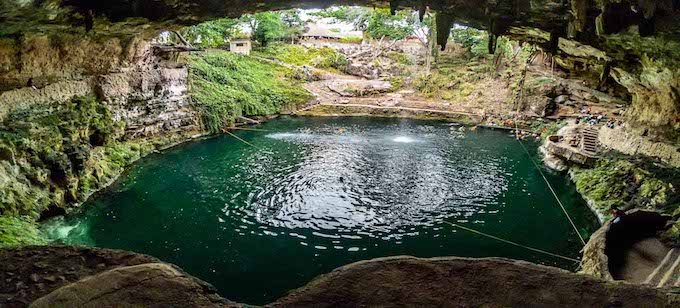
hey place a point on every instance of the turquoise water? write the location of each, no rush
(313, 194)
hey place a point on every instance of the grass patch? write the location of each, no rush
(628, 183)
(321, 58)
(400, 58)
(18, 231)
(547, 128)
(226, 85)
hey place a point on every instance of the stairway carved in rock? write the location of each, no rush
(589, 142)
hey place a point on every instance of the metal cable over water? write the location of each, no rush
(521, 90)
(511, 242)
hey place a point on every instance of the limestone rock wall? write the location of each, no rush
(57, 150)
(625, 141)
(141, 88)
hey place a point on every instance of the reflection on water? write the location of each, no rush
(363, 183)
(314, 194)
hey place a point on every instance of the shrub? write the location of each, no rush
(19, 231)
(225, 86)
(322, 58)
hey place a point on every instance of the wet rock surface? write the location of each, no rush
(626, 141)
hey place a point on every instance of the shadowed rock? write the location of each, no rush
(148, 285)
(99, 278)
(464, 282)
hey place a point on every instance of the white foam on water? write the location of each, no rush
(403, 139)
(70, 233)
(291, 136)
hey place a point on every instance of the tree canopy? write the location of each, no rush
(212, 33)
(376, 23)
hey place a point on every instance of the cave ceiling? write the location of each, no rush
(542, 22)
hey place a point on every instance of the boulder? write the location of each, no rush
(145, 285)
(561, 99)
(405, 281)
(357, 88)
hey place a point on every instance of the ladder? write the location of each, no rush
(667, 273)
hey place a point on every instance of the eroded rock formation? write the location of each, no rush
(105, 278)
(140, 87)
(98, 103)
(464, 282)
(628, 47)
(149, 285)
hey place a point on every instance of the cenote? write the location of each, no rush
(312, 194)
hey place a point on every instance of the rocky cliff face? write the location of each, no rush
(98, 104)
(136, 83)
(625, 141)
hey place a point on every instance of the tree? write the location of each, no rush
(268, 27)
(295, 26)
(425, 31)
(377, 23)
(212, 33)
(394, 27)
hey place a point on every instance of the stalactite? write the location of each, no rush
(605, 74)
(554, 41)
(394, 6)
(647, 26)
(492, 43)
(444, 23)
(579, 17)
(648, 8)
(599, 25)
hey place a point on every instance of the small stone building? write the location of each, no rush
(241, 46)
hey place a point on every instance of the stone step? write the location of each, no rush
(663, 273)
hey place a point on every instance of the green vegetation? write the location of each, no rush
(225, 86)
(268, 27)
(352, 40)
(476, 43)
(630, 183)
(55, 156)
(627, 183)
(18, 231)
(547, 128)
(212, 33)
(321, 58)
(46, 150)
(400, 58)
(375, 23)
(454, 79)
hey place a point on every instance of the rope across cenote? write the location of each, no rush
(519, 99)
(511, 242)
(552, 191)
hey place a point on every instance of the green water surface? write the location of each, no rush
(317, 193)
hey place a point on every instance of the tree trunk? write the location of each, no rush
(428, 52)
